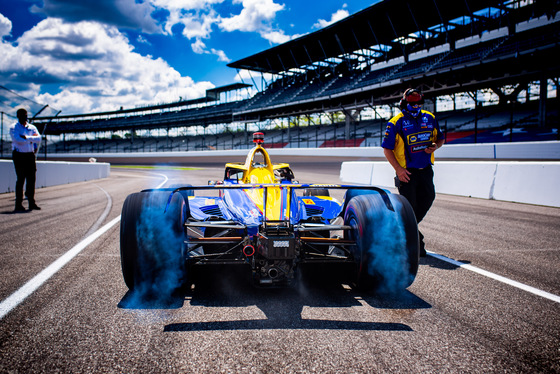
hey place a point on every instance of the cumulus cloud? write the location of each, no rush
(335, 17)
(200, 48)
(221, 55)
(5, 26)
(177, 5)
(121, 13)
(196, 25)
(276, 36)
(197, 16)
(140, 39)
(96, 65)
(253, 17)
(256, 16)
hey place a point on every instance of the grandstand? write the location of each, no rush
(484, 66)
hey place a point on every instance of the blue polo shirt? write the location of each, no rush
(408, 137)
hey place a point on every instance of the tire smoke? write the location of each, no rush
(388, 257)
(159, 234)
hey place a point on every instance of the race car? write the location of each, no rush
(260, 218)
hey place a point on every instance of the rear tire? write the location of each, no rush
(386, 254)
(152, 242)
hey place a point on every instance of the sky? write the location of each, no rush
(83, 56)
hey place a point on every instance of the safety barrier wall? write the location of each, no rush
(527, 182)
(517, 181)
(52, 173)
(549, 150)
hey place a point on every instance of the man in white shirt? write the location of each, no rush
(25, 141)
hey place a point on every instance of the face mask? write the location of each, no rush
(414, 111)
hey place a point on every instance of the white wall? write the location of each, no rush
(549, 150)
(51, 173)
(517, 181)
(521, 181)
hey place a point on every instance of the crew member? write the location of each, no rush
(410, 141)
(25, 142)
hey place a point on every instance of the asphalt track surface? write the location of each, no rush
(451, 319)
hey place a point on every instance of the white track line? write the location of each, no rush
(37, 281)
(103, 215)
(497, 277)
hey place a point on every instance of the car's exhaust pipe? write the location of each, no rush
(273, 273)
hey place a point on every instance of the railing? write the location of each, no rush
(492, 127)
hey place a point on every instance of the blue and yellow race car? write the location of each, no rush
(260, 218)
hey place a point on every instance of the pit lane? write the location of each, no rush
(450, 319)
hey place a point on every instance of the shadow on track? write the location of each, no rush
(282, 307)
(17, 212)
(437, 263)
(133, 300)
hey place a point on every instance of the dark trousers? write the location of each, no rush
(26, 169)
(420, 193)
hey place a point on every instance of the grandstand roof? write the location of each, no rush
(227, 88)
(214, 93)
(381, 30)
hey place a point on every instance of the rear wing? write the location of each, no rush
(359, 189)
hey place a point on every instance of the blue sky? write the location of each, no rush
(83, 56)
